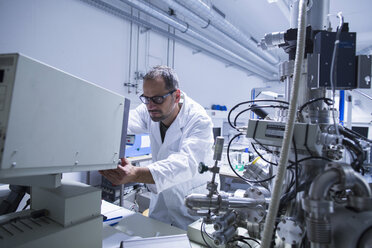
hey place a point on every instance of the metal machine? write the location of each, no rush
(52, 122)
(308, 189)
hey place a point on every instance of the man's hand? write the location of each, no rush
(127, 173)
(124, 173)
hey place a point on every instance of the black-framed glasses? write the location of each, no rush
(155, 99)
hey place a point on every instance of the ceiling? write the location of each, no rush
(257, 17)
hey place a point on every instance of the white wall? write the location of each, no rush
(94, 45)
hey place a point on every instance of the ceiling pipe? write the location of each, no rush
(284, 8)
(246, 53)
(186, 29)
(365, 51)
(204, 11)
(115, 7)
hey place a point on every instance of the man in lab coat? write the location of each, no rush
(181, 137)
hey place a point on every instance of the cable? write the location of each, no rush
(247, 102)
(202, 233)
(249, 238)
(243, 241)
(296, 164)
(346, 131)
(288, 133)
(333, 71)
(258, 107)
(260, 155)
(309, 158)
(237, 174)
(358, 151)
(328, 101)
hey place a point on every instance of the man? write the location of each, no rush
(181, 137)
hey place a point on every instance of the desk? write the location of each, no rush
(132, 225)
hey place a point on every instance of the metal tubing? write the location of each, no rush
(185, 28)
(204, 202)
(119, 12)
(317, 14)
(363, 94)
(288, 133)
(204, 11)
(236, 202)
(246, 53)
(322, 183)
(361, 186)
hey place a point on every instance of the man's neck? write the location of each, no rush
(167, 122)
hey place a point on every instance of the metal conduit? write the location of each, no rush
(204, 11)
(246, 53)
(107, 5)
(185, 28)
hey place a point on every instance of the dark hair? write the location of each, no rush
(166, 73)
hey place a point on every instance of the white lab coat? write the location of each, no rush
(188, 141)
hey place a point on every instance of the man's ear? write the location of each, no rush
(178, 95)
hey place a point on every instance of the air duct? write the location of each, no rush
(246, 53)
(116, 8)
(185, 28)
(204, 11)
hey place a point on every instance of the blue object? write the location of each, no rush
(113, 221)
(219, 107)
(135, 147)
(246, 150)
(253, 94)
(342, 106)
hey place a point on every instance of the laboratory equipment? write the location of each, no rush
(52, 122)
(137, 145)
(314, 194)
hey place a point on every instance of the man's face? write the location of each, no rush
(159, 112)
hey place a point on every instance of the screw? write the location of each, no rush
(76, 162)
(14, 164)
(283, 239)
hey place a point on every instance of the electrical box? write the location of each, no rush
(271, 133)
(320, 61)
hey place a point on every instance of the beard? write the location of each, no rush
(159, 117)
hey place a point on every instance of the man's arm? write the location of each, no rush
(127, 173)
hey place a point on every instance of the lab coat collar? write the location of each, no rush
(177, 125)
